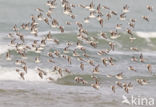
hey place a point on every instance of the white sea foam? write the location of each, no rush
(4, 48)
(131, 53)
(52, 32)
(32, 75)
(146, 34)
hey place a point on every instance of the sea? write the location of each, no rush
(65, 91)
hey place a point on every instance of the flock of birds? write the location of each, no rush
(95, 12)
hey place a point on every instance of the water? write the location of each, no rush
(64, 91)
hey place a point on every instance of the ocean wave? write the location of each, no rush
(4, 48)
(148, 43)
(32, 75)
(29, 36)
(146, 34)
(53, 32)
(132, 53)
